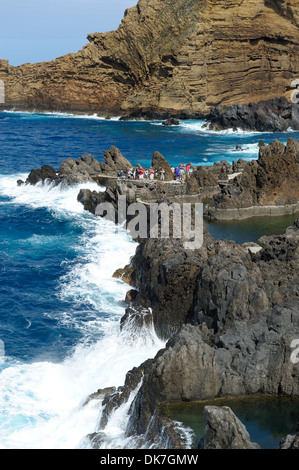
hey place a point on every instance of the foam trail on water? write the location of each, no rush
(57, 114)
(200, 126)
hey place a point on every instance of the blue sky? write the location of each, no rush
(39, 30)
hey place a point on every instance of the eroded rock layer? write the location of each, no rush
(176, 56)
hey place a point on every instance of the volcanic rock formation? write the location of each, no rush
(85, 168)
(276, 115)
(268, 186)
(223, 349)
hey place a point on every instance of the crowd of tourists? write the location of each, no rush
(182, 171)
(139, 173)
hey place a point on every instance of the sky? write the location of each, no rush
(41, 30)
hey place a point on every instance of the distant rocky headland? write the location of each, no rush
(177, 58)
(273, 115)
(228, 312)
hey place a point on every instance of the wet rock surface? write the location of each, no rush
(45, 173)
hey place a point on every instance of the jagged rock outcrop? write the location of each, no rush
(277, 115)
(165, 276)
(223, 430)
(234, 285)
(205, 177)
(85, 168)
(71, 171)
(160, 163)
(114, 162)
(250, 358)
(45, 173)
(176, 57)
(268, 186)
(171, 122)
(240, 353)
(217, 285)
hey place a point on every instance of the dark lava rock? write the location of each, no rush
(171, 122)
(275, 115)
(243, 319)
(46, 172)
(85, 168)
(271, 180)
(114, 162)
(159, 162)
(290, 442)
(165, 276)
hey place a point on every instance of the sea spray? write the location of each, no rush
(41, 401)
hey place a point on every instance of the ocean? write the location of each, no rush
(60, 307)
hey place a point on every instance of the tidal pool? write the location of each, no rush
(249, 230)
(267, 419)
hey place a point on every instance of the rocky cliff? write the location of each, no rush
(237, 337)
(178, 56)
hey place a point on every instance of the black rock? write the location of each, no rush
(46, 172)
(171, 122)
(275, 115)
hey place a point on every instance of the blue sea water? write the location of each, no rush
(59, 305)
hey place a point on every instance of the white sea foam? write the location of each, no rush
(248, 151)
(51, 196)
(200, 126)
(41, 403)
(60, 114)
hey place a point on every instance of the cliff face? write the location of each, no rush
(173, 55)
